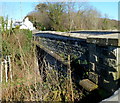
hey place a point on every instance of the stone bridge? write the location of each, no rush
(93, 53)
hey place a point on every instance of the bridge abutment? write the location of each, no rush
(99, 56)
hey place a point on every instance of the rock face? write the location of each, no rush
(27, 24)
(114, 98)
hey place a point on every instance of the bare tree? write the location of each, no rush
(68, 16)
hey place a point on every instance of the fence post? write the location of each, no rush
(9, 61)
(1, 70)
(5, 61)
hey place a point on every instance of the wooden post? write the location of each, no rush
(5, 61)
(1, 81)
(1, 70)
(70, 77)
(9, 61)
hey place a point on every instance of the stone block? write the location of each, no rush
(93, 77)
(88, 85)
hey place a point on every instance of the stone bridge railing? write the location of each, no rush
(98, 54)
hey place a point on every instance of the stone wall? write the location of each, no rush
(65, 47)
(104, 66)
(99, 59)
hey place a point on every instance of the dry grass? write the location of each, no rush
(28, 83)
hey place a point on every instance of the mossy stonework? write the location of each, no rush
(99, 56)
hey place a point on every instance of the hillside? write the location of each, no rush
(57, 16)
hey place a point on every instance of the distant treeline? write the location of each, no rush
(69, 16)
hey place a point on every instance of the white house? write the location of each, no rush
(27, 24)
(9, 22)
